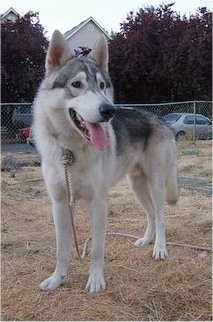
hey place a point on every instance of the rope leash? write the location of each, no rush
(67, 160)
(209, 249)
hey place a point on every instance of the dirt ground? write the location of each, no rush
(138, 287)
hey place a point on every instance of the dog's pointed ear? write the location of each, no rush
(58, 52)
(100, 53)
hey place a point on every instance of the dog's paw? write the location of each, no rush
(160, 253)
(141, 242)
(51, 283)
(96, 283)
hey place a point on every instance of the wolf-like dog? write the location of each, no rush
(74, 110)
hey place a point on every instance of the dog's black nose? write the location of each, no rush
(107, 111)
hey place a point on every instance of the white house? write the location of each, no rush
(85, 34)
(10, 14)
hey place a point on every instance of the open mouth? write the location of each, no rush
(92, 132)
(79, 123)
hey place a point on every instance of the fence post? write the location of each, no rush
(194, 111)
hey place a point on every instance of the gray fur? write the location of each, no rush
(74, 66)
(133, 126)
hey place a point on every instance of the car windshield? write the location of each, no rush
(172, 118)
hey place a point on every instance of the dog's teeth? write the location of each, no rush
(79, 118)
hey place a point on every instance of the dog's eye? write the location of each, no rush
(102, 85)
(77, 84)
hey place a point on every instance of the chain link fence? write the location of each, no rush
(16, 119)
(190, 120)
(162, 109)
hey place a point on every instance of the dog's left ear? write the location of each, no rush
(100, 53)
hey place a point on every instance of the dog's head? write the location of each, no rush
(88, 91)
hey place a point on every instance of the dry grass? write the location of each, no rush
(138, 287)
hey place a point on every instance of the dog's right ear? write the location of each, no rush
(58, 52)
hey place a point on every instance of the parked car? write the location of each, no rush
(22, 115)
(31, 139)
(186, 125)
(23, 134)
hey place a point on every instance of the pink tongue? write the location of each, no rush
(97, 135)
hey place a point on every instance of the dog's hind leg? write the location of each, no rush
(141, 190)
(97, 209)
(63, 240)
(150, 193)
(157, 186)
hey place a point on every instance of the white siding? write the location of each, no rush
(86, 36)
(10, 16)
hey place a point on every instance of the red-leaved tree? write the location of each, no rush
(23, 53)
(159, 56)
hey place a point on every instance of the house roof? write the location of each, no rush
(11, 10)
(75, 29)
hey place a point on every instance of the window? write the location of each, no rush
(24, 109)
(90, 27)
(201, 120)
(189, 119)
(172, 118)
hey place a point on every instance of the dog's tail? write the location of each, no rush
(172, 191)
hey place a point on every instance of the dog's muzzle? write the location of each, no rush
(107, 111)
(94, 132)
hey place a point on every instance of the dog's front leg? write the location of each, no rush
(98, 213)
(63, 241)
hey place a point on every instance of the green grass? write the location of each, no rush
(191, 152)
(4, 230)
(189, 168)
(206, 173)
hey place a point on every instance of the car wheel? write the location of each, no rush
(180, 136)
